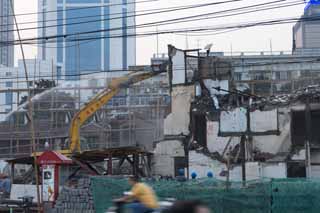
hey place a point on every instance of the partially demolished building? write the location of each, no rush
(217, 126)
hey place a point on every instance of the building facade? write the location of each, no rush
(95, 35)
(306, 33)
(6, 34)
(277, 73)
(8, 99)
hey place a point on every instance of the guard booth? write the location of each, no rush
(51, 164)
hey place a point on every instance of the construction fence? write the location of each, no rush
(263, 196)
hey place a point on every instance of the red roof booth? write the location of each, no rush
(53, 166)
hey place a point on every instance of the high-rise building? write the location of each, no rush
(306, 33)
(93, 35)
(6, 34)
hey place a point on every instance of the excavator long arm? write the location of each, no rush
(98, 102)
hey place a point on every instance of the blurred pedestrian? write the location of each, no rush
(141, 197)
(191, 206)
(5, 185)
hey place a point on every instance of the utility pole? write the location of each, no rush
(308, 138)
(30, 110)
(243, 158)
(78, 68)
(157, 42)
(271, 69)
(243, 147)
(187, 41)
(52, 68)
(228, 169)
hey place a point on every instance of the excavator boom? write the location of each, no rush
(98, 102)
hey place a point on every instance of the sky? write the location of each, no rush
(263, 38)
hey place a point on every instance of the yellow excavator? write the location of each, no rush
(99, 101)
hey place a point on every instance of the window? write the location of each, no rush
(92, 142)
(59, 72)
(281, 75)
(134, 101)
(110, 103)
(200, 129)
(8, 73)
(87, 56)
(237, 76)
(261, 75)
(107, 39)
(122, 92)
(9, 98)
(119, 101)
(124, 38)
(60, 32)
(115, 102)
(8, 84)
(122, 101)
(144, 101)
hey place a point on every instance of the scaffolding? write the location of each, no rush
(134, 118)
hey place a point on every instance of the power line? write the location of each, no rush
(276, 7)
(182, 19)
(184, 30)
(129, 12)
(152, 13)
(203, 33)
(199, 29)
(79, 8)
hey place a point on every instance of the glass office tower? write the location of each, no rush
(6, 34)
(92, 35)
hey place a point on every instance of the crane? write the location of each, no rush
(99, 101)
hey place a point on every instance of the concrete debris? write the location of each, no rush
(299, 96)
(77, 199)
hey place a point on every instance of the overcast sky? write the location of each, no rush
(251, 39)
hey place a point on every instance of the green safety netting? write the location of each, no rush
(263, 196)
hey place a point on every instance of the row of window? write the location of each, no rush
(266, 75)
(135, 101)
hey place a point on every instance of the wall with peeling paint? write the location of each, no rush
(177, 122)
(163, 159)
(201, 165)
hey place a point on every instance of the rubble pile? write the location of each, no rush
(76, 199)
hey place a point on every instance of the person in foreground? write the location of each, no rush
(141, 197)
(189, 206)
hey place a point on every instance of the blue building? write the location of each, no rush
(6, 34)
(306, 34)
(93, 35)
